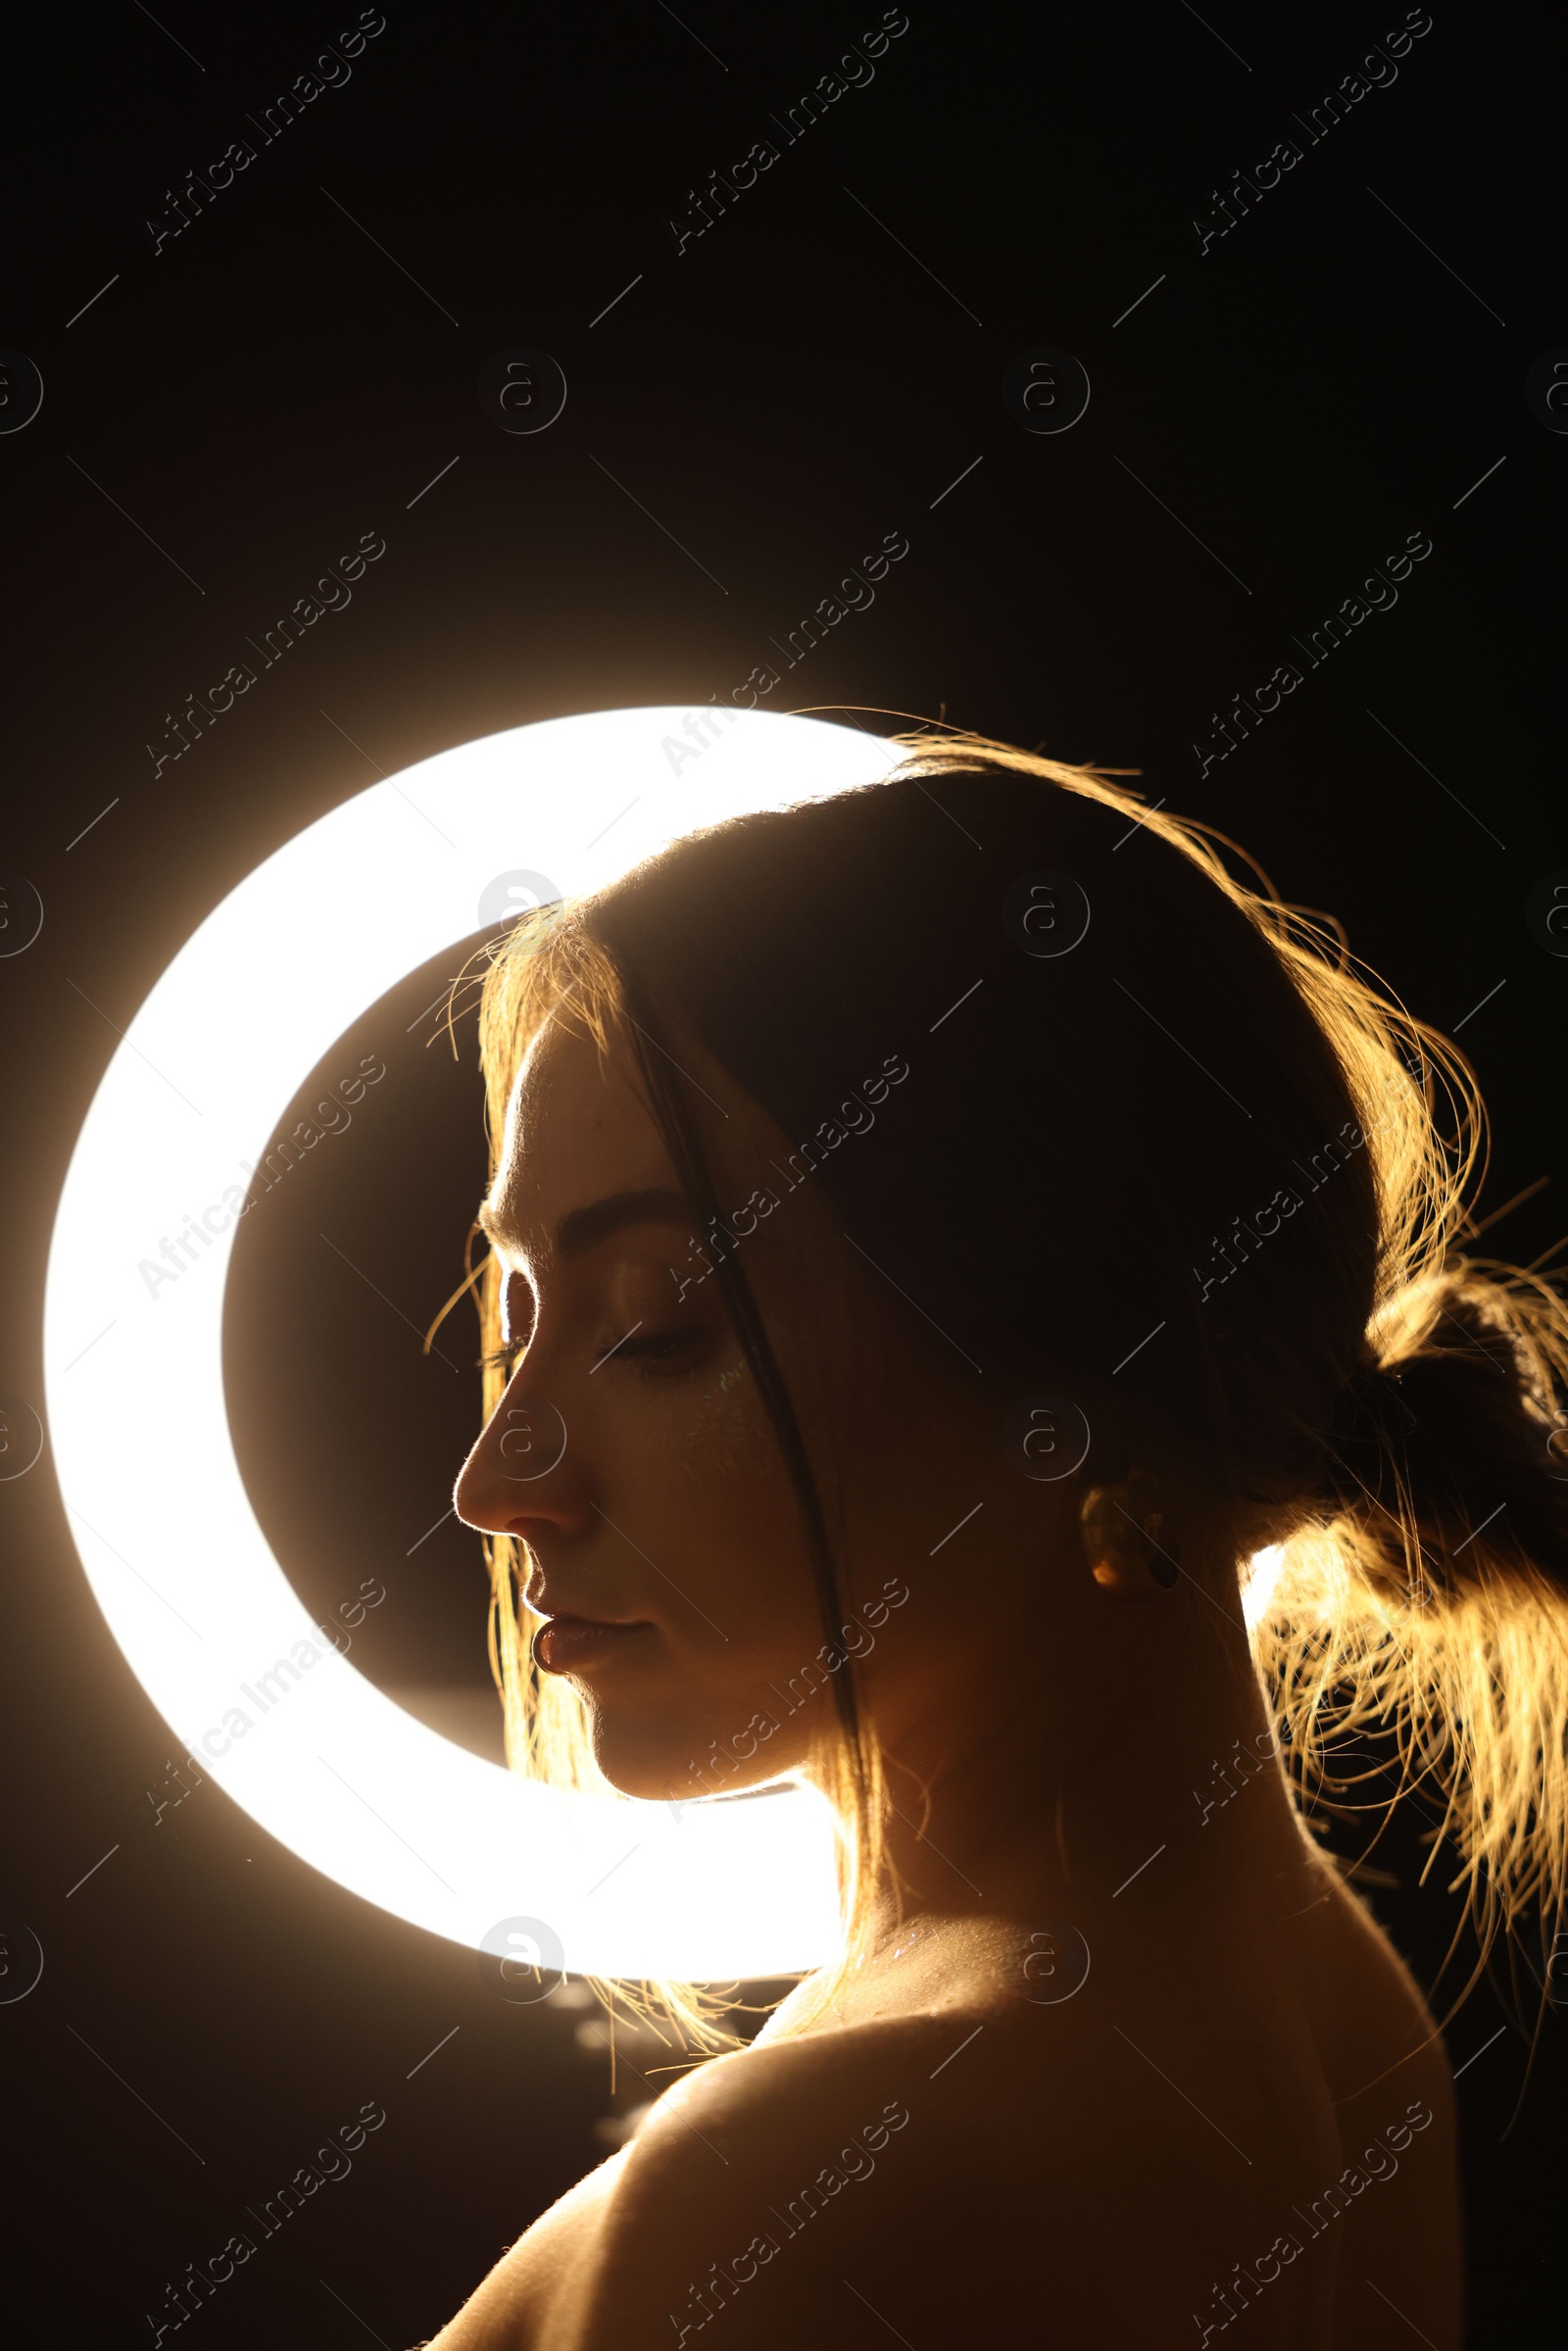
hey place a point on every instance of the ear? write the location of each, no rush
(1128, 1540)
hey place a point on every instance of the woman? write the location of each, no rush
(960, 1228)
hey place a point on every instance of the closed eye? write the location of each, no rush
(673, 1349)
(663, 1354)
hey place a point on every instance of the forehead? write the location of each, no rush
(567, 1089)
(577, 1128)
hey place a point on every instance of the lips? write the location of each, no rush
(573, 1644)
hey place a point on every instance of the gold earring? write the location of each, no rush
(1128, 1540)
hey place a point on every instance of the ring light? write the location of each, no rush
(207, 1618)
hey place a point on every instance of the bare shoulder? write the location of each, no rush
(923, 2170)
(513, 2307)
(917, 2173)
(729, 2167)
(760, 2181)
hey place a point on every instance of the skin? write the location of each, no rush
(1090, 2165)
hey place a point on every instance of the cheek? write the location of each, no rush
(727, 1438)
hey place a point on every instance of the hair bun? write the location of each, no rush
(1453, 1437)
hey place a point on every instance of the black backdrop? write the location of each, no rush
(763, 381)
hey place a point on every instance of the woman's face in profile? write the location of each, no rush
(668, 1516)
(669, 1521)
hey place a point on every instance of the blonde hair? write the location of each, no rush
(1360, 1403)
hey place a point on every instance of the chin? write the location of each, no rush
(662, 1764)
(639, 1757)
(653, 1777)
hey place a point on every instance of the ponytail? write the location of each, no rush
(1427, 1591)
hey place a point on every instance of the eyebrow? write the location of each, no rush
(582, 1228)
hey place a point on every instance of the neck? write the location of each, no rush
(1144, 1775)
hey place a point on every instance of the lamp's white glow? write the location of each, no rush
(171, 1546)
(1261, 1573)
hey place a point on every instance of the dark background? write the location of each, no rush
(1268, 419)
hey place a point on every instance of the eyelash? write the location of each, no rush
(660, 1347)
(657, 1348)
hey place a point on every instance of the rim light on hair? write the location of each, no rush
(156, 1508)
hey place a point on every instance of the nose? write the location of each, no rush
(522, 1472)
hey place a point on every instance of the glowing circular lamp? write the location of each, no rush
(207, 1618)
